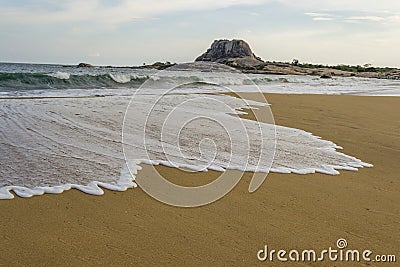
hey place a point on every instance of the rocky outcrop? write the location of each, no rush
(236, 53)
(326, 76)
(84, 65)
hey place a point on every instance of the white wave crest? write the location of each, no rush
(125, 78)
(120, 78)
(60, 75)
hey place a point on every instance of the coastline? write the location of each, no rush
(288, 211)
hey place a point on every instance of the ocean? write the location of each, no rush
(45, 80)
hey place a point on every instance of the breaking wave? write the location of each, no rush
(62, 80)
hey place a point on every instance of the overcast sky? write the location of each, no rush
(131, 32)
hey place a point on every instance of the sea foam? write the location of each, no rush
(60, 75)
(53, 145)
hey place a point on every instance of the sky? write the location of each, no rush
(133, 32)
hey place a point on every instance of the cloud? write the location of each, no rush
(320, 16)
(344, 5)
(113, 14)
(383, 17)
(367, 18)
(323, 19)
(314, 14)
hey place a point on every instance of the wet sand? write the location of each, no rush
(288, 211)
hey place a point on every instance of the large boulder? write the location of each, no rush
(231, 52)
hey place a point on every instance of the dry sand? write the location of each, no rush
(288, 211)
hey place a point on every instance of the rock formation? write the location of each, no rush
(84, 65)
(235, 53)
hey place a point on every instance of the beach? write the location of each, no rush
(288, 211)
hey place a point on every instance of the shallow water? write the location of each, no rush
(52, 145)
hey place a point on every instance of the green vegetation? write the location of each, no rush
(350, 68)
(158, 65)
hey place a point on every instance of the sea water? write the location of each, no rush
(32, 80)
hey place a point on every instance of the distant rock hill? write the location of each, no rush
(236, 53)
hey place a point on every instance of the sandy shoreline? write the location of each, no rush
(288, 211)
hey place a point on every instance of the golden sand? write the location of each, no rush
(288, 211)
